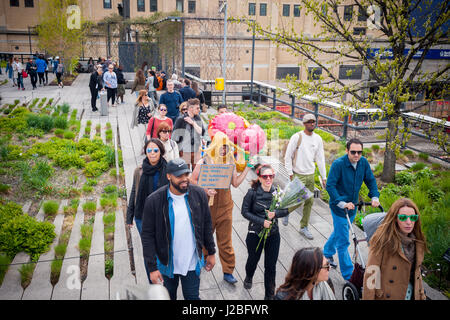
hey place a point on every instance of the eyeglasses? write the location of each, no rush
(404, 217)
(150, 150)
(166, 131)
(327, 266)
(183, 109)
(162, 109)
(356, 152)
(267, 176)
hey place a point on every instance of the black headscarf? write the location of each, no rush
(146, 182)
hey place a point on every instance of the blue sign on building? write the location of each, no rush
(432, 54)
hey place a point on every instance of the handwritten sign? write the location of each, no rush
(215, 176)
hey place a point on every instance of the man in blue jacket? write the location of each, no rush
(171, 99)
(344, 182)
(41, 66)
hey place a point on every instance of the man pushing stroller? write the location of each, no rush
(343, 185)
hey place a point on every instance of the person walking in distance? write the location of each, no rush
(41, 65)
(31, 69)
(345, 178)
(110, 82)
(187, 92)
(121, 82)
(176, 226)
(96, 84)
(221, 151)
(59, 73)
(304, 149)
(18, 68)
(171, 99)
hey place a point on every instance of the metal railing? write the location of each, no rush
(262, 92)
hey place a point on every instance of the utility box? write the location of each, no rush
(220, 84)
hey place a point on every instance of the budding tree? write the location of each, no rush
(391, 56)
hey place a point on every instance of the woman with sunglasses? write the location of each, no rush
(307, 277)
(148, 177)
(396, 253)
(164, 131)
(156, 120)
(255, 209)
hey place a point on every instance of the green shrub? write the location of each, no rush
(59, 133)
(378, 169)
(110, 189)
(404, 177)
(68, 160)
(425, 173)
(375, 147)
(109, 219)
(109, 268)
(24, 233)
(61, 123)
(418, 166)
(46, 123)
(89, 207)
(84, 246)
(423, 156)
(87, 189)
(434, 194)
(420, 198)
(88, 123)
(91, 182)
(65, 108)
(367, 152)
(408, 153)
(50, 207)
(60, 250)
(4, 262)
(436, 166)
(26, 273)
(9, 210)
(69, 135)
(95, 169)
(86, 231)
(108, 203)
(4, 188)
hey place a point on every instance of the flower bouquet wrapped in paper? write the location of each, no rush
(293, 195)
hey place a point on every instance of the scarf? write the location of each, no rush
(146, 182)
(409, 247)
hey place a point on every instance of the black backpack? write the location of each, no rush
(155, 82)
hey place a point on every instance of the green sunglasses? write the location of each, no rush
(404, 217)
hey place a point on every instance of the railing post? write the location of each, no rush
(259, 94)
(316, 112)
(274, 99)
(292, 106)
(344, 134)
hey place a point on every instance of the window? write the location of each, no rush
(348, 13)
(107, 4)
(286, 10)
(140, 5)
(180, 5)
(282, 72)
(296, 10)
(314, 73)
(13, 3)
(153, 5)
(362, 14)
(350, 72)
(252, 9)
(191, 6)
(359, 31)
(263, 9)
(29, 3)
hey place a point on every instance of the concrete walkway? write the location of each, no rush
(212, 285)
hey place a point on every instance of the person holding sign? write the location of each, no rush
(220, 152)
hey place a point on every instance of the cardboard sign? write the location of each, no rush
(215, 176)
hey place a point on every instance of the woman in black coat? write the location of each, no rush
(255, 207)
(147, 178)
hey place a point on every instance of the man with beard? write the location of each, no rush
(305, 148)
(176, 226)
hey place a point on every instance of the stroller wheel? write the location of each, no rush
(350, 292)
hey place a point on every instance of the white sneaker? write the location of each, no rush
(305, 232)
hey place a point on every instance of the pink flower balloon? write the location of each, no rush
(229, 123)
(252, 139)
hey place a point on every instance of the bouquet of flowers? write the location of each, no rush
(293, 195)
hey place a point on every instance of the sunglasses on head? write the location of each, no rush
(356, 152)
(150, 150)
(404, 217)
(267, 176)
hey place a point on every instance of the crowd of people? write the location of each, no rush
(36, 69)
(177, 219)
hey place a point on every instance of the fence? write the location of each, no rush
(326, 112)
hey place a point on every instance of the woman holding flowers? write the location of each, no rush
(255, 208)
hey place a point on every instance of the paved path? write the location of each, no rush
(96, 286)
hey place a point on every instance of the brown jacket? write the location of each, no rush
(394, 276)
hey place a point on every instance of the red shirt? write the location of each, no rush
(155, 125)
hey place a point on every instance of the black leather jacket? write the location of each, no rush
(254, 207)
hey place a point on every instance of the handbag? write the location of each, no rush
(24, 74)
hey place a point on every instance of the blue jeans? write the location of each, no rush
(339, 240)
(189, 283)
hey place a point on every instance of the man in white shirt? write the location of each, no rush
(306, 152)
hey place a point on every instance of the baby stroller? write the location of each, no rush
(352, 289)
